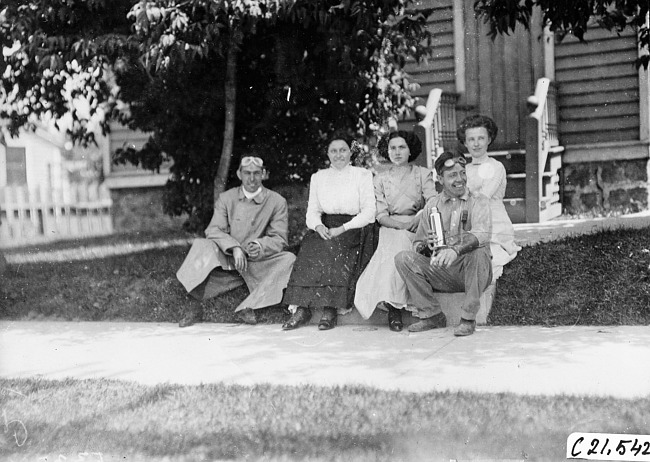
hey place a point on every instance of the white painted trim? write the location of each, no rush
(459, 46)
(135, 181)
(549, 53)
(644, 104)
(648, 176)
(644, 98)
(603, 152)
(104, 143)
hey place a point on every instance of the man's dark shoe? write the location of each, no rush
(394, 317)
(301, 317)
(247, 316)
(434, 322)
(328, 320)
(465, 328)
(190, 318)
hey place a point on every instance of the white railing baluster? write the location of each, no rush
(438, 124)
(543, 155)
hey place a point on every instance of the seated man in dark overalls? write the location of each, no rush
(462, 264)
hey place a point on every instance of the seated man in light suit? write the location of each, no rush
(463, 264)
(245, 239)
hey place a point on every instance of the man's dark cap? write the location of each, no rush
(439, 164)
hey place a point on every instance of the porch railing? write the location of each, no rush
(438, 124)
(41, 214)
(543, 155)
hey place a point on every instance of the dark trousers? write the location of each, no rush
(470, 273)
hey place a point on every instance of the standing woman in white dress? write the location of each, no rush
(401, 192)
(340, 215)
(487, 176)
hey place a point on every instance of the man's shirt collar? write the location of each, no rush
(447, 198)
(258, 199)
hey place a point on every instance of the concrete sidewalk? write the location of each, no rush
(593, 361)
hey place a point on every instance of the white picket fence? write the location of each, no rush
(36, 215)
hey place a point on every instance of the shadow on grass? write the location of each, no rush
(596, 279)
(217, 422)
(134, 286)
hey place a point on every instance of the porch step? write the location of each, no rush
(516, 186)
(516, 209)
(514, 160)
(507, 153)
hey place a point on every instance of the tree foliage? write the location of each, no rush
(305, 68)
(58, 52)
(569, 17)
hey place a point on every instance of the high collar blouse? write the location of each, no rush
(348, 191)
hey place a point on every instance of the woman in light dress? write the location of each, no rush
(401, 192)
(487, 176)
(340, 216)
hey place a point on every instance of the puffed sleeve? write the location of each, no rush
(493, 175)
(380, 197)
(428, 185)
(367, 206)
(314, 208)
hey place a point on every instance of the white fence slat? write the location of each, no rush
(43, 214)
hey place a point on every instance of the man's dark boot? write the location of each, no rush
(434, 322)
(193, 314)
(247, 316)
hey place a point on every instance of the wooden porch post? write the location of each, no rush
(533, 183)
(459, 47)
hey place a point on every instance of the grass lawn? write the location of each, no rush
(597, 279)
(126, 421)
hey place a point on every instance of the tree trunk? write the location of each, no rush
(3, 264)
(229, 127)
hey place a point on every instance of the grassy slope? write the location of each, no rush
(596, 279)
(218, 422)
(599, 279)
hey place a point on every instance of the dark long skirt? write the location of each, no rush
(326, 271)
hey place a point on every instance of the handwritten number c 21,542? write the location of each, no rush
(608, 446)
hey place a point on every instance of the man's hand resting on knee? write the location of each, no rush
(240, 259)
(443, 258)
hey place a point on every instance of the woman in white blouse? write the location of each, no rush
(340, 208)
(487, 176)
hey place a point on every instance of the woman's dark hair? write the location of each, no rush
(412, 141)
(342, 135)
(476, 121)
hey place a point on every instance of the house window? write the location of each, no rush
(16, 167)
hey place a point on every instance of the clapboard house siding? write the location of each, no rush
(598, 88)
(500, 76)
(438, 70)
